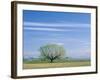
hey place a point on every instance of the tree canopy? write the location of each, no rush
(52, 52)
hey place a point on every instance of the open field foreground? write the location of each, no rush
(56, 65)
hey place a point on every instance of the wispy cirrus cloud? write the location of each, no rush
(46, 29)
(60, 24)
(54, 26)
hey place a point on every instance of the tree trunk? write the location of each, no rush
(51, 60)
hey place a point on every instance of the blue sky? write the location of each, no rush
(69, 29)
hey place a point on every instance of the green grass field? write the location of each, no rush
(30, 65)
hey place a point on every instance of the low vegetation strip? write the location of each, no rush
(56, 65)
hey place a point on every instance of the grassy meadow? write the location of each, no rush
(35, 64)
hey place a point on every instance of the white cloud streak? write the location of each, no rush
(76, 25)
(45, 29)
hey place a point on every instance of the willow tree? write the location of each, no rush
(52, 52)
